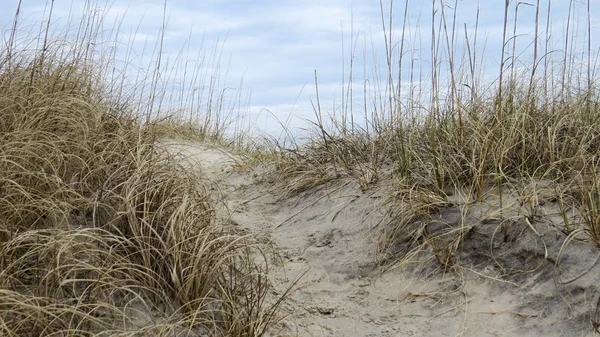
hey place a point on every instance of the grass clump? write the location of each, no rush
(450, 139)
(102, 231)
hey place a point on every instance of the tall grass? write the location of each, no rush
(453, 127)
(102, 231)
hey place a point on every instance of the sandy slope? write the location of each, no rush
(329, 235)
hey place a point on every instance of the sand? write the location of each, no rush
(503, 284)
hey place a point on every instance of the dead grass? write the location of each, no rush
(102, 233)
(532, 135)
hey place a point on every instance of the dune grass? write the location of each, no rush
(102, 231)
(448, 131)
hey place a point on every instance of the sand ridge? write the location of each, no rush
(328, 236)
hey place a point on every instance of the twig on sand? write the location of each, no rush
(508, 312)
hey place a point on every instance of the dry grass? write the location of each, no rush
(102, 233)
(533, 130)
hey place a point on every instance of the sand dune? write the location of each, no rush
(328, 237)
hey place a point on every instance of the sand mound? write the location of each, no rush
(522, 281)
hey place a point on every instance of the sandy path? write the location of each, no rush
(329, 235)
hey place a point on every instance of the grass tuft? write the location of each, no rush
(102, 231)
(525, 131)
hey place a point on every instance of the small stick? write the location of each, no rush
(508, 312)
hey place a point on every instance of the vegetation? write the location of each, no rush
(102, 231)
(448, 133)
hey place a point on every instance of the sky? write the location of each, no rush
(275, 46)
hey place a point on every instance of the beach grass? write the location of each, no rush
(455, 128)
(103, 232)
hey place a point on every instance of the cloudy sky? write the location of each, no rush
(275, 46)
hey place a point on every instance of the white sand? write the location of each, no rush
(330, 235)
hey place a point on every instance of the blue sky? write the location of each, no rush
(276, 45)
